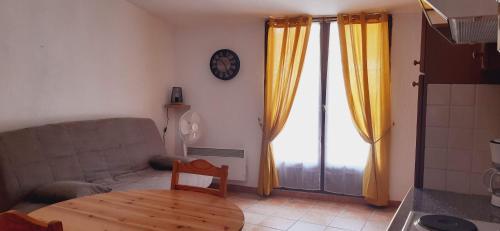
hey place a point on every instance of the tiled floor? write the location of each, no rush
(286, 213)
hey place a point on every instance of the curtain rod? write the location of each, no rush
(335, 18)
(324, 18)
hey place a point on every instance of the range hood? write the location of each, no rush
(463, 21)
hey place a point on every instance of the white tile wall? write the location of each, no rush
(476, 184)
(463, 94)
(438, 94)
(462, 117)
(436, 137)
(461, 120)
(457, 181)
(461, 138)
(435, 179)
(481, 160)
(459, 160)
(438, 115)
(435, 158)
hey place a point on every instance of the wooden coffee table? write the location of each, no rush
(145, 210)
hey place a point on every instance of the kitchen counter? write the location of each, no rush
(439, 202)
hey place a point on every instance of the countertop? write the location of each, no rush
(439, 202)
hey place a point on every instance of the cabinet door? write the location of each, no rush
(448, 63)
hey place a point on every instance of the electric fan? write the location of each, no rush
(189, 129)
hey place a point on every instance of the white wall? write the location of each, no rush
(229, 109)
(81, 59)
(405, 48)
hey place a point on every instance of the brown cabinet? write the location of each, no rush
(446, 63)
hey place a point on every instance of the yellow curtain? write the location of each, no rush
(286, 47)
(364, 42)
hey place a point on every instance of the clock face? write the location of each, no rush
(225, 64)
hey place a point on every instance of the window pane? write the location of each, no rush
(345, 151)
(297, 147)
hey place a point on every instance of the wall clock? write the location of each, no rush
(225, 64)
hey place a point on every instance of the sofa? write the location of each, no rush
(113, 152)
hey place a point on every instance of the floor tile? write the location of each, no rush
(290, 213)
(250, 227)
(334, 229)
(348, 223)
(382, 215)
(253, 218)
(263, 209)
(359, 207)
(331, 211)
(318, 217)
(328, 204)
(247, 196)
(303, 226)
(274, 201)
(356, 212)
(300, 203)
(244, 203)
(277, 223)
(355, 215)
(375, 226)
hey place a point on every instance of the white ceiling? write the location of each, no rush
(189, 11)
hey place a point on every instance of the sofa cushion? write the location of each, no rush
(73, 151)
(65, 190)
(23, 166)
(27, 207)
(57, 146)
(166, 162)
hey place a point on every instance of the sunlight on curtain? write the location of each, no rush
(346, 152)
(297, 147)
(365, 53)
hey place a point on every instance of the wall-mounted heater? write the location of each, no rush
(234, 158)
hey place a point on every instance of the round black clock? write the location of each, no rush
(225, 64)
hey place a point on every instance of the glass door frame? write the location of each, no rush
(325, 26)
(325, 23)
(324, 48)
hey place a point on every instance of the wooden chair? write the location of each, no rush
(200, 167)
(16, 221)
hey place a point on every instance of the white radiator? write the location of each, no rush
(233, 158)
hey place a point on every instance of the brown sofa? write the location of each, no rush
(113, 152)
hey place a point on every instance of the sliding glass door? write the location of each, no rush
(319, 149)
(297, 148)
(345, 151)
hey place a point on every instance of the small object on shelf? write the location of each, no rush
(176, 97)
(178, 106)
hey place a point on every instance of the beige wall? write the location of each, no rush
(405, 49)
(81, 59)
(230, 109)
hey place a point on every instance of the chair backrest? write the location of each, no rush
(200, 167)
(15, 221)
